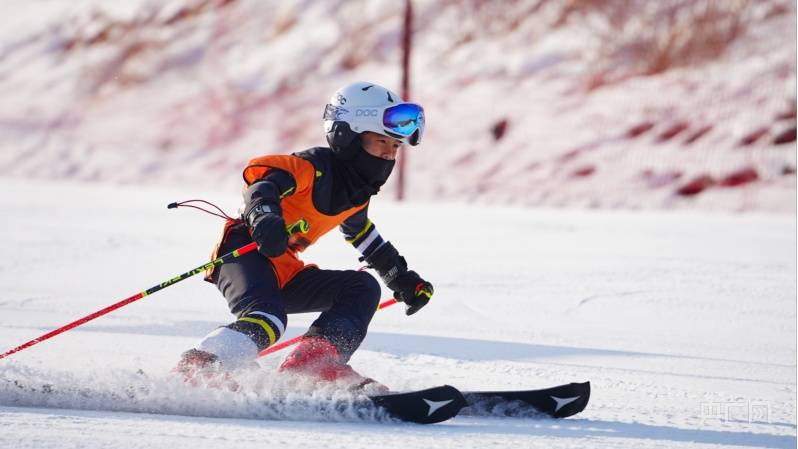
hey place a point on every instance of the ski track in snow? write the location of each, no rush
(683, 322)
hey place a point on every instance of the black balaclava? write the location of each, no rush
(360, 175)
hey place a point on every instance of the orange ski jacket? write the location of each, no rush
(310, 199)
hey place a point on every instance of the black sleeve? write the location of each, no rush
(271, 189)
(361, 233)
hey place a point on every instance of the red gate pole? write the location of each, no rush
(407, 40)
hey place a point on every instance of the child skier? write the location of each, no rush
(321, 188)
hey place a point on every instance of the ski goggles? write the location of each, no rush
(404, 121)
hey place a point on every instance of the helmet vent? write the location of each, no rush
(367, 87)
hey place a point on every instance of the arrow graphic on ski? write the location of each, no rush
(424, 406)
(562, 402)
(435, 405)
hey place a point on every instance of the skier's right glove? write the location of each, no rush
(407, 286)
(267, 227)
(265, 221)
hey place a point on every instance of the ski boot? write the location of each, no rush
(201, 368)
(318, 359)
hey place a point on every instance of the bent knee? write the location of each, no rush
(370, 287)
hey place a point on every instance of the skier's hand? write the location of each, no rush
(407, 286)
(267, 226)
(412, 290)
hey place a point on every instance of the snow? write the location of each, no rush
(683, 322)
(558, 244)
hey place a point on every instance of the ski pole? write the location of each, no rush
(295, 340)
(299, 226)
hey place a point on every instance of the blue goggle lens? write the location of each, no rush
(404, 119)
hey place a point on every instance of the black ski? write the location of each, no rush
(557, 402)
(428, 406)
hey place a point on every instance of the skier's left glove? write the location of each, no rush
(408, 287)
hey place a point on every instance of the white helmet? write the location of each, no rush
(363, 106)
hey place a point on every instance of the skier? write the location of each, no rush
(318, 189)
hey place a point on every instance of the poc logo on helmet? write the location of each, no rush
(367, 112)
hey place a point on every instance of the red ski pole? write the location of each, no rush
(299, 226)
(226, 258)
(296, 339)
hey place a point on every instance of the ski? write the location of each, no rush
(429, 406)
(558, 402)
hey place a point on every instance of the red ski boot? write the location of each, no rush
(317, 358)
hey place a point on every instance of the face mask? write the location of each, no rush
(373, 170)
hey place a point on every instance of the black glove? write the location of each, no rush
(408, 287)
(267, 226)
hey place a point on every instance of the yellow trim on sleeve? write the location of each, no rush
(363, 232)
